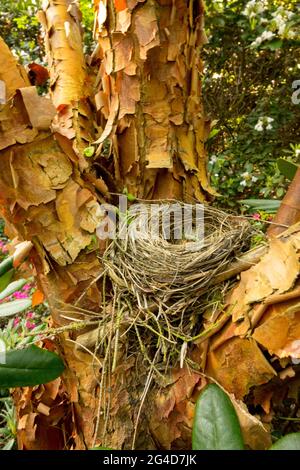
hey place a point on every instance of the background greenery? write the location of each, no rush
(248, 82)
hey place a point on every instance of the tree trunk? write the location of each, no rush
(139, 99)
(149, 96)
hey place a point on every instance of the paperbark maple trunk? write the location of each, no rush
(149, 95)
(139, 99)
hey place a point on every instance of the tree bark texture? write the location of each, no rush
(138, 100)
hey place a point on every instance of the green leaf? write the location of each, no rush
(30, 366)
(6, 265)
(9, 445)
(288, 169)
(213, 133)
(273, 45)
(12, 287)
(267, 205)
(16, 306)
(288, 442)
(89, 151)
(216, 425)
(6, 278)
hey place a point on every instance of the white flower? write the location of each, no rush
(216, 76)
(265, 36)
(213, 159)
(259, 127)
(243, 183)
(254, 179)
(280, 20)
(268, 121)
(281, 12)
(245, 174)
(264, 122)
(249, 8)
(263, 21)
(256, 43)
(254, 8)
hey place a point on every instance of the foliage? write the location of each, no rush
(216, 425)
(289, 442)
(29, 366)
(16, 331)
(20, 29)
(266, 205)
(251, 64)
(16, 297)
(3, 250)
(87, 10)
(8, 423)
(14, 305)
(6, 278)
(2, 236)
(15, 335)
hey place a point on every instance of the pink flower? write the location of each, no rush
(256, 216)
(30, 325)
(20, 295)
(16, 321)
(30, 315)
(3, 247)
(27, 287)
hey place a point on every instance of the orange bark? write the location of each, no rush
(147, 115)
(289, 211)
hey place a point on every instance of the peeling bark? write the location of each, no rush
(289, 211)
(145, 114)
(149, 96)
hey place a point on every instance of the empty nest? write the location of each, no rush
(171, 270)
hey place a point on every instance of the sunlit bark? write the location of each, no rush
(140, 100)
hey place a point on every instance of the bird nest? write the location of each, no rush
(166, 256)
(162, 278)
(159, 278)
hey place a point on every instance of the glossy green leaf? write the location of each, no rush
(16, 306)
(12, 287)
(288, 169)
(267, 205)
(6, 265)
(216, 425)
(28, 367)
(6, 278)
(288, 442)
